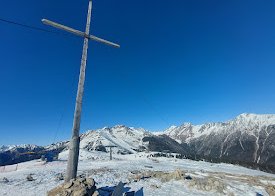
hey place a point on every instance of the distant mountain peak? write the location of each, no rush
(12, 147)
(120, 126)
(250, 118)
(243, 122)
(257, 116)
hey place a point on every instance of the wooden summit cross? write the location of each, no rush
(74, 143)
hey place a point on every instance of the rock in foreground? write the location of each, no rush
(77, 187)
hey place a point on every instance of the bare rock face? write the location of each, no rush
(163, 176)
(208, 184)
(270, 189)
(76, 187)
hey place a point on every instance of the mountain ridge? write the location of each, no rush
(248, 139)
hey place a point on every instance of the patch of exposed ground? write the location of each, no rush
(221, 183)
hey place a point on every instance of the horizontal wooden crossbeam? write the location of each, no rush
(79, 33)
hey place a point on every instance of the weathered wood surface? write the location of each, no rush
(79, 33)
(75, 140)
(74, 145)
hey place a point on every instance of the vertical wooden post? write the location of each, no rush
(75, 140)
(111, 153)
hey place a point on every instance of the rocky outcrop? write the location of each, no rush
(161, 175)
(208, 184)
(76, 187)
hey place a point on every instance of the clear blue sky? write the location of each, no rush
(180, 61)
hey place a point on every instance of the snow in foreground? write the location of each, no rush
(237, 180)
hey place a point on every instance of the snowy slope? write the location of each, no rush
(127, 139)
(236, 180)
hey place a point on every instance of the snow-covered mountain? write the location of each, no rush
(14, 147)
(249, 139)
(245, 123)
(126, 139)
(13, 154)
